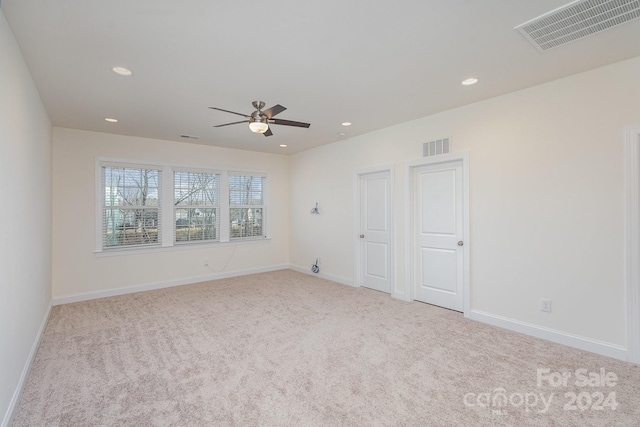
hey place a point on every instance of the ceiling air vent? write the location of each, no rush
(189, 136)
(438, 146)
(576, 20)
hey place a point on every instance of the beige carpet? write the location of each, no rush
(287, 349)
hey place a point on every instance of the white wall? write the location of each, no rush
(77, 271)
(25, 246)
(546, 199)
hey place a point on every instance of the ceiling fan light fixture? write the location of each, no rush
(258, 127)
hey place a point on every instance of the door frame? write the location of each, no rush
(632, 241)
(357, 197)
(409, 221)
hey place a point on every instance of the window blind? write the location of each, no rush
(246, 206)
(196, 206)
(130, 210)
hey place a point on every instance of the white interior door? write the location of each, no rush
(375, 233)
(438, 263)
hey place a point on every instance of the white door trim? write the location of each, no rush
(408, 220)
(632, 241)
(357, 225)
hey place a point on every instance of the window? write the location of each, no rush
(159, 206)
(130, 210)
(196, 206)
(246, 206)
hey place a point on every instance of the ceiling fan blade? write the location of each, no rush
(271, 112)
(289, 123)
(268, 132)
(233, 123)
(232, 112)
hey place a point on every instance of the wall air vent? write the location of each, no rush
(438, 146)
(576, 20)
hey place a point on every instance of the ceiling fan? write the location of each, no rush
(260, 120)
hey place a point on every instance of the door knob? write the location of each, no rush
(460, 243)
(362, 236)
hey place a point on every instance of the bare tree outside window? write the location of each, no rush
(246, 206)
(131, 206)
(133, 210)
(196, 205)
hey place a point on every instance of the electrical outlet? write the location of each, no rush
(545, 305)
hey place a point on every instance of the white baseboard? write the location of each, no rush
(15, 399)
(86, 296)
(333, 278)
(553, 335)
(343, 280)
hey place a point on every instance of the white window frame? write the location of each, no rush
(263, 206)
(166, 209)
(101, 207)
(175, 208)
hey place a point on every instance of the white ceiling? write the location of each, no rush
(371, 62)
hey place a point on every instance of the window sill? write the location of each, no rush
(177, 247)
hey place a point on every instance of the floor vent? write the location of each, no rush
(438, 146)
(576, 20)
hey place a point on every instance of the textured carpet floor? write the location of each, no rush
(285, 348)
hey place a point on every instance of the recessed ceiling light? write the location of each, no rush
(122, 71)
(346, 123)
(470, 81)
(110, 120)
(283, 145)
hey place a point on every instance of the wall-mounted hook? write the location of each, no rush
(316, 210)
